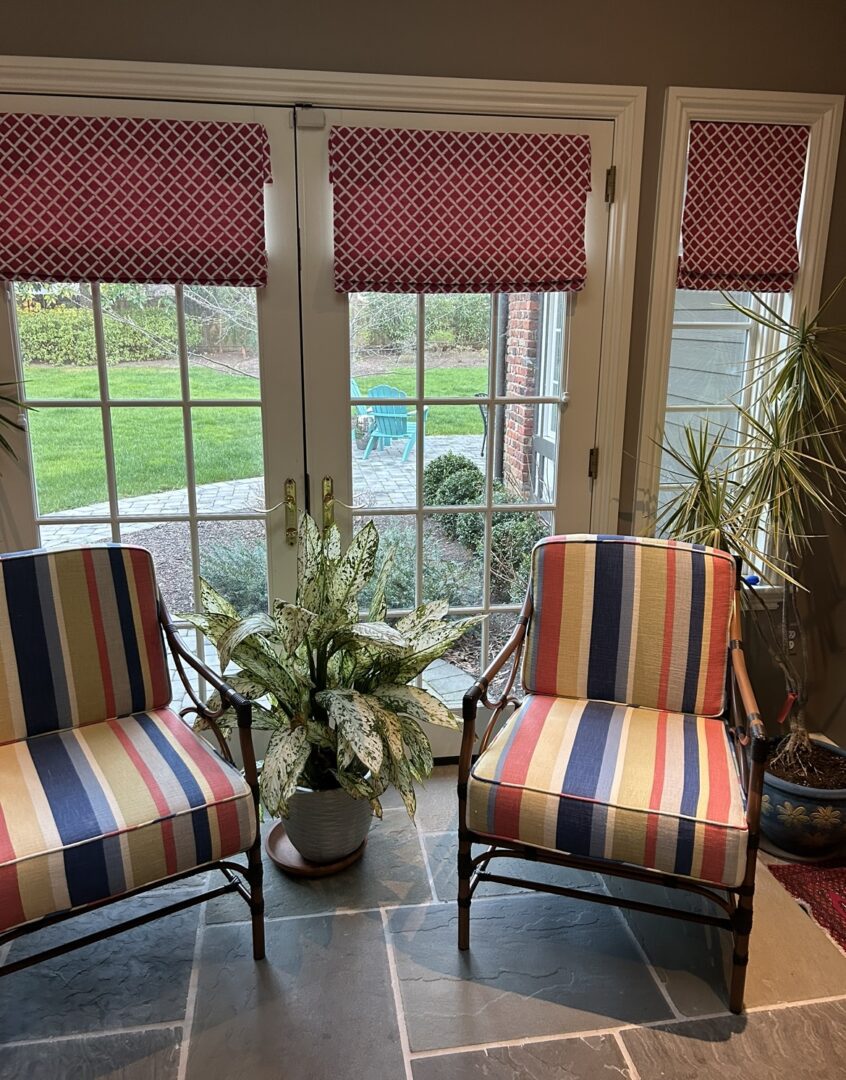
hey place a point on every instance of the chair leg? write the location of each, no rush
(464, 858)
(255, 875)
(369, 447)
(409, 443)
(742, 920)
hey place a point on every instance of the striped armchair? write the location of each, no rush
(631, 753)
(105, 791)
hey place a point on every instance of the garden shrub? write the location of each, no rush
(238, 570)
(446, 579)
(65, 335)
(512, 538)
(439, 469)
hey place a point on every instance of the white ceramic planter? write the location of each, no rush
(325, 826)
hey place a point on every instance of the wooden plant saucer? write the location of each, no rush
(284, 855)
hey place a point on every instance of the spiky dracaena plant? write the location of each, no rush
(333, 689)
(787, 465)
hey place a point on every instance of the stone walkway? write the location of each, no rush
(382, 480)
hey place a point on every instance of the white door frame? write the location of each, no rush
(624, 105)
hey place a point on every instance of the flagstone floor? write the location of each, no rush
(363, 981)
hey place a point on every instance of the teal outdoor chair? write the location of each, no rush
(392, 422)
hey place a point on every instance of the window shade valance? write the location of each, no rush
(90, 198)
(741, 207)
(458, 211)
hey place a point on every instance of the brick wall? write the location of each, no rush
(521, 360)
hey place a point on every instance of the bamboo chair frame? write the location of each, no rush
(749, 741)
(244, 880)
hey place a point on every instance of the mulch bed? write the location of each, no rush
(821, 889)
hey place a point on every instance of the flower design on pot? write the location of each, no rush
(766, 804)
(826, 817)
(793, 816)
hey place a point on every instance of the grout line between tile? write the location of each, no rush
(662, 989)
(627, 1057)
(428, 867)
(525, 1040)
(133, 1029)
(398, 1007)
(191, 999)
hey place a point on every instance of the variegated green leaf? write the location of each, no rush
(355, 568)
(226, 722)
(432, 611)
(213, 603)
(420, 759)
(379, 603)
(228, 642)
(378, 633)
(284, 761)
(332, 543)
(292, 624)
(213, 626)
(357, 786)
(417, 703)
(309, 564)
(353, 718)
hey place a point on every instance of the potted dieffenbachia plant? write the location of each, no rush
(333, 686)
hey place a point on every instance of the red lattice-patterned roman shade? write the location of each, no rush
(741, 206)
(458, 211)
(94, 198)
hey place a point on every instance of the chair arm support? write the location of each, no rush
(753, 734)
(752, 714)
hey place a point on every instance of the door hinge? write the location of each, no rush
(610, 183)
(309, 117)
(593, 462)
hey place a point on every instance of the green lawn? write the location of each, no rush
(67, 443)
(440, 382)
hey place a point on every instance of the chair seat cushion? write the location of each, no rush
(654, 789)
(97, 811)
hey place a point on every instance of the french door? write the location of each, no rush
(193, 420)
(462, 425)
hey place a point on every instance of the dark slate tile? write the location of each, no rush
(806, 1042)
(694, 962)
(441, 851)
(391, 871)
(564, 1059)
(135, 978)
(320, 1007)
(537, 965)
(137, 1055)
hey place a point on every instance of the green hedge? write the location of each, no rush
(65, 335)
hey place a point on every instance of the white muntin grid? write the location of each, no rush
(105, 404)
(488, 508)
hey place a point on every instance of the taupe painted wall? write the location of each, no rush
(778, 45)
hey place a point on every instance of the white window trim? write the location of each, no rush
(625, 105)
(823, 113)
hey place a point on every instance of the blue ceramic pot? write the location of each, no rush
(801, 820)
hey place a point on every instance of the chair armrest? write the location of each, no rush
(752, 733)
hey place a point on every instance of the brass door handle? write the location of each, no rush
(291, 512)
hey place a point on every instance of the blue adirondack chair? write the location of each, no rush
(392, 422)
(360, 410)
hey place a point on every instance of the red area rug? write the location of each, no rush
(822, 889)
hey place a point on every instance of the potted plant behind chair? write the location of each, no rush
(787, 468)
(334, 691)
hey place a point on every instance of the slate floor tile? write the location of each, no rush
(441, 851)
(437, 800)
(135, 978)
(537, 965)
(565, 1059)
(790, 958)
(803, 1043)
(391, 871)
(319, 1008)
(136, 1055)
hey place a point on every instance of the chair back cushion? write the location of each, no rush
(80, 639)
(629, 619)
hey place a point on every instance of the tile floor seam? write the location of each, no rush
(627, 1057)
(191, 999)
(662, 989)
(523, 1040)
(427, 866)
(132, 1029)
(399, 1011)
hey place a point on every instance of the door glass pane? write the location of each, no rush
(397, 539)
(70, 535)
(692, 305)
(140, 336)
(149, 456)
(384, 451)
(383, 342)
(501, 626)
(453, 558)
(706, 366)
(525, 449)
(457, 344)
(233, 559)
(513, 535)
(68, 460)
(221, 330)
(228, 458)
(169, 542)
(56, 340)
(454, 673)
(455, 448)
